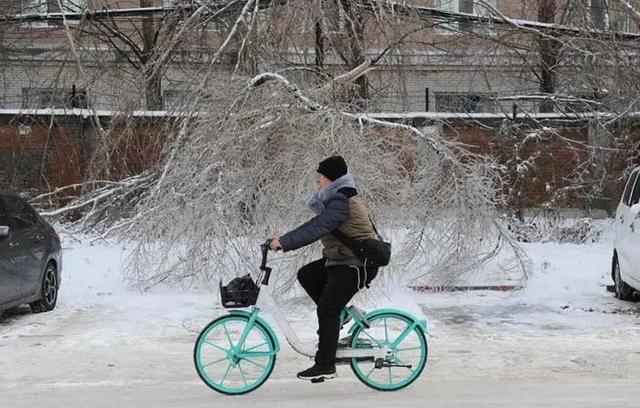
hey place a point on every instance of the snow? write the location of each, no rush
(87, 113)
(488, 115)
(562, 337)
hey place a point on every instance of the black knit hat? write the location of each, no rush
(333, 167)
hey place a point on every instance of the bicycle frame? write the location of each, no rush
(266, 301)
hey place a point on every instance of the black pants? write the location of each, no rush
(331, 288)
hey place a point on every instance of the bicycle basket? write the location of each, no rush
(240, 292)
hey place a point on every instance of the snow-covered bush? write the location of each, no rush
(555, 229)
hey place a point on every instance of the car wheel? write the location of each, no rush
(49, 291)
(622, 290)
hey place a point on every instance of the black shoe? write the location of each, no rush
(318, 372)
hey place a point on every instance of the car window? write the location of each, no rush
(4, 220)
(21, 215)
(629, 188)
(635, 195)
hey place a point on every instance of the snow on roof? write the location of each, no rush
(88, 113)
(484, 115)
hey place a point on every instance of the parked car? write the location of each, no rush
(30, 257)
(625, 269)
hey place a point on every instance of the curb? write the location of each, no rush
(497, 288)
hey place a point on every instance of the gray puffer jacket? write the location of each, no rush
(344, 210)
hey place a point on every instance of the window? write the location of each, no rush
(476, 7)
(600, 15)
(449, 27)
(635, 196)
(4, 220)
(21, 215)
(173, 99)
(619, 19)
(52, 6)
(576, 13)
(38, 98)
(629, 188)
(465, 102)
(334, 16)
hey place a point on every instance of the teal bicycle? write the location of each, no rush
(236, 353)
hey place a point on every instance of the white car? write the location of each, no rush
(625, 269)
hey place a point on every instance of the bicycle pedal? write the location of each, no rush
(317, 380)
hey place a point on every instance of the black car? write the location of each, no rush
(30, 257)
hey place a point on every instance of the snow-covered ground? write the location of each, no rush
(561, 341)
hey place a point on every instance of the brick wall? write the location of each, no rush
(40, 153)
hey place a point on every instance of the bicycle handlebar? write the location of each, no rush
(265, 252)
(263, 266)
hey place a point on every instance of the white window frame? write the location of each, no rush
(38, 7)
(453, 6)
(41, 7)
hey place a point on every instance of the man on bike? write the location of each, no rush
(335, 278)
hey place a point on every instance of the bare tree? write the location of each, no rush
(256, 116)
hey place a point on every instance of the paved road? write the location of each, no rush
(83, 358)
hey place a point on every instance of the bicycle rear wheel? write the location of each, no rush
(225, 366)
(408, 358)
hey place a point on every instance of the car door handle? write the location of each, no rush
(14, 244)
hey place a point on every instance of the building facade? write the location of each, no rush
(447, 65)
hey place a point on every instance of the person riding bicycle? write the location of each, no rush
(335, 278)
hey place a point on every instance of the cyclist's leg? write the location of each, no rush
(342, 285)
(313, 278)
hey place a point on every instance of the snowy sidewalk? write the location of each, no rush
(563, 341)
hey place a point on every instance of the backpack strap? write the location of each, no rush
(375, 229)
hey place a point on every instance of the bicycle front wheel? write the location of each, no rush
(407, 360)
(229, 367)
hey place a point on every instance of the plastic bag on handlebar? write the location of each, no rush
(240, 292)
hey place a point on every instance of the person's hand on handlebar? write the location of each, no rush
(274, 244)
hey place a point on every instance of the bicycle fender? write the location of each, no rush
(421, 323)
(261, 321)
